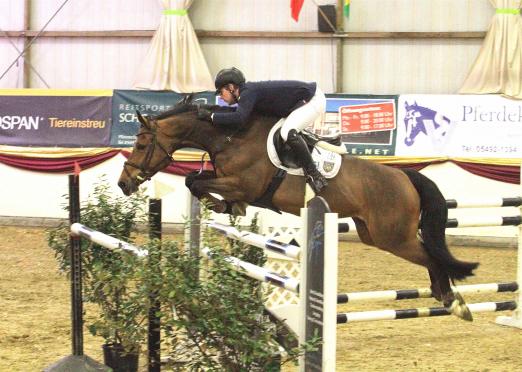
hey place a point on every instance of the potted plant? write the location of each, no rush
(109, 278)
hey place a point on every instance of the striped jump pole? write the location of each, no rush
(257, 240)
(406, 294)
(468, 221)
(368, 316)
(258, 273)
(486, 202)
(483, 221)
(77, 229)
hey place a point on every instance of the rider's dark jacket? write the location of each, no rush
(274, 98)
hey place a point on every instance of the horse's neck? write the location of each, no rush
(214, 140)
(204, 136)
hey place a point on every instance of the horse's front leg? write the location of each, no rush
(192, 178)
(228, 188)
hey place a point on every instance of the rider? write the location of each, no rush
(299, 102)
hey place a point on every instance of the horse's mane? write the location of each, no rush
(177, 109)
(187, 106)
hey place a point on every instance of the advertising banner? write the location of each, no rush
(366, 123)
(125, 122)
(55, 118)
(481, 126)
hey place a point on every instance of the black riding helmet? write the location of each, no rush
(227, 76)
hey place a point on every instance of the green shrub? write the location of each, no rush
(109, 277)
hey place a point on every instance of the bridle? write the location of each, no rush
(145, 172)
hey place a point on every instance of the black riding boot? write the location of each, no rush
(314, 178)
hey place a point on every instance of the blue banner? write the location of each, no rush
(125, 103)
(54, 120)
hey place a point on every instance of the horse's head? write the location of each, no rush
(413, 122)
(157, 139)
(420, 119)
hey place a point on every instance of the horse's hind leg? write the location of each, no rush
(362, 231)
(440, 281)
(441, 289)
(413, 251)
(440, 285)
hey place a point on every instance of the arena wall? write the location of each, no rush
(370, 65)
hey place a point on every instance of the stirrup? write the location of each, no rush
(317, 183)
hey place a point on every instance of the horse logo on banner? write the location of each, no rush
(420, 119)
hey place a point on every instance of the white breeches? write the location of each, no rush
(305, 115)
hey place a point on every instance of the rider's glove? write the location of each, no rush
(205, 114)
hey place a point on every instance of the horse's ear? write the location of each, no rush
(142, 119)
(188, 98)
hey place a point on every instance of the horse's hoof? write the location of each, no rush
(239, 209)
(218, 207)
(460, 309)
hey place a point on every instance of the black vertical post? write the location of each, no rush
(77, 362)
(154, 338)
(76, 268)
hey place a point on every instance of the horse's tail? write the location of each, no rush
(434, 214)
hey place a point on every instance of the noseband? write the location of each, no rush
(146, 172)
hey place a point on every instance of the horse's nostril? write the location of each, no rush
(122, 185)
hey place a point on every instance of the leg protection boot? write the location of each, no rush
(314, 178)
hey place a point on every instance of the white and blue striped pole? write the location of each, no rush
(257, 240)
(109, 242)
(258, 273)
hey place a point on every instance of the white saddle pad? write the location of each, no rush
(327, 162)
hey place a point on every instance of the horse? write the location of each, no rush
(389, 206)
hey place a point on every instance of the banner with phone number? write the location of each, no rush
(480, 126)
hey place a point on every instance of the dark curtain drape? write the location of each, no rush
(55, 165)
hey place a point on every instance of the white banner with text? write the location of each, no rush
(482, 126)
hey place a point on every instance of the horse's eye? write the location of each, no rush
(140, 147)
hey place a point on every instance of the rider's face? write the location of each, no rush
(227, 95)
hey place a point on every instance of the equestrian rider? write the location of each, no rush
(299, 102)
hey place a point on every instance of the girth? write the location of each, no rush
(266, 200)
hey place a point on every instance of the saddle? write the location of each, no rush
(288, 158)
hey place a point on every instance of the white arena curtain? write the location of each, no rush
(174, 60)
(498, 68)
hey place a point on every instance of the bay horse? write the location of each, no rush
(389, 206)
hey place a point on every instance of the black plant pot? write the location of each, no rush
(114, 356)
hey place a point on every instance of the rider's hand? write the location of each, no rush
(205, 114)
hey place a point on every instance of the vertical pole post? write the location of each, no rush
(26, 57)
(154, 337)
(76, 268)
(195, 226)
(320, 297)
(303, 285)
(516, 319)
